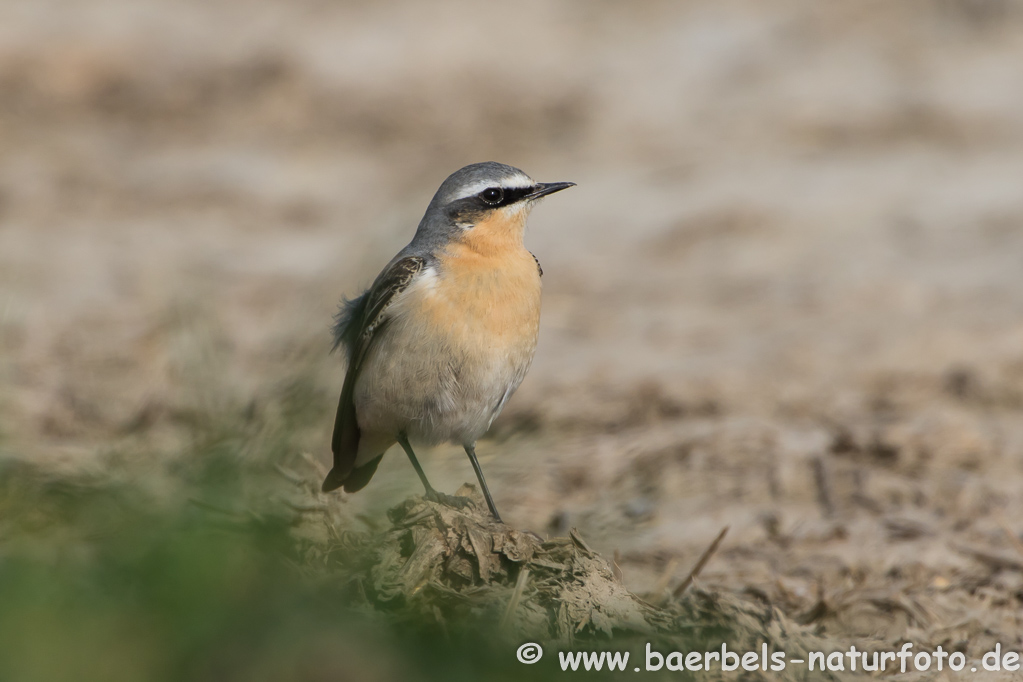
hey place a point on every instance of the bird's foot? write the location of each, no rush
(453, 501)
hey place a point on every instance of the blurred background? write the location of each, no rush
(786, 295)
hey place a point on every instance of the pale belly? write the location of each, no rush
(452, 353)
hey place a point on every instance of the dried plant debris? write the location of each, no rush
(454, 567)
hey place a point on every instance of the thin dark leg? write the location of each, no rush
(471, 451)
(431, 494)
(403, 442)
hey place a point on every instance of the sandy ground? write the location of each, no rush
(786, 295)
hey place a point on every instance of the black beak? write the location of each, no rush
(542, 189)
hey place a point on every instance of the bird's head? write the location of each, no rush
(485, 202)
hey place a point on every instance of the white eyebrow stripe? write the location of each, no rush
(514, 182)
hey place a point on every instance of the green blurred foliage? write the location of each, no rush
(99, 581)
(194, 573)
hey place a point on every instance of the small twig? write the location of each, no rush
(616, 568)
(315, 464)
(513, 603)
(290, 475)
(700, 564)
(820, 479)
(578, 540)
(304, 507)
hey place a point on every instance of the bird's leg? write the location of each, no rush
(471, 451)
(403, 442)
(431, 494)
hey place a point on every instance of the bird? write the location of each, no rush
(447, 331)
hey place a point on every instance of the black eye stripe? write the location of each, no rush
(511, 195)
(467, 209)
(514, 194)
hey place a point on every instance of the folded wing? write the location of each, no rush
(358, 323)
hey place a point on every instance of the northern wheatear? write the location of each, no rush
(447, 331)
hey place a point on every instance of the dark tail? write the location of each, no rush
(345, 442)
(360, 476)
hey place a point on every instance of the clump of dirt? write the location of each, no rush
(456, 567)
(443, 563)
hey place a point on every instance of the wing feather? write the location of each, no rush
(357, 324)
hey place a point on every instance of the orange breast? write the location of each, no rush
(494, 298)
(489, 285)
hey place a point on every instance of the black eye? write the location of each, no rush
(492, 195)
